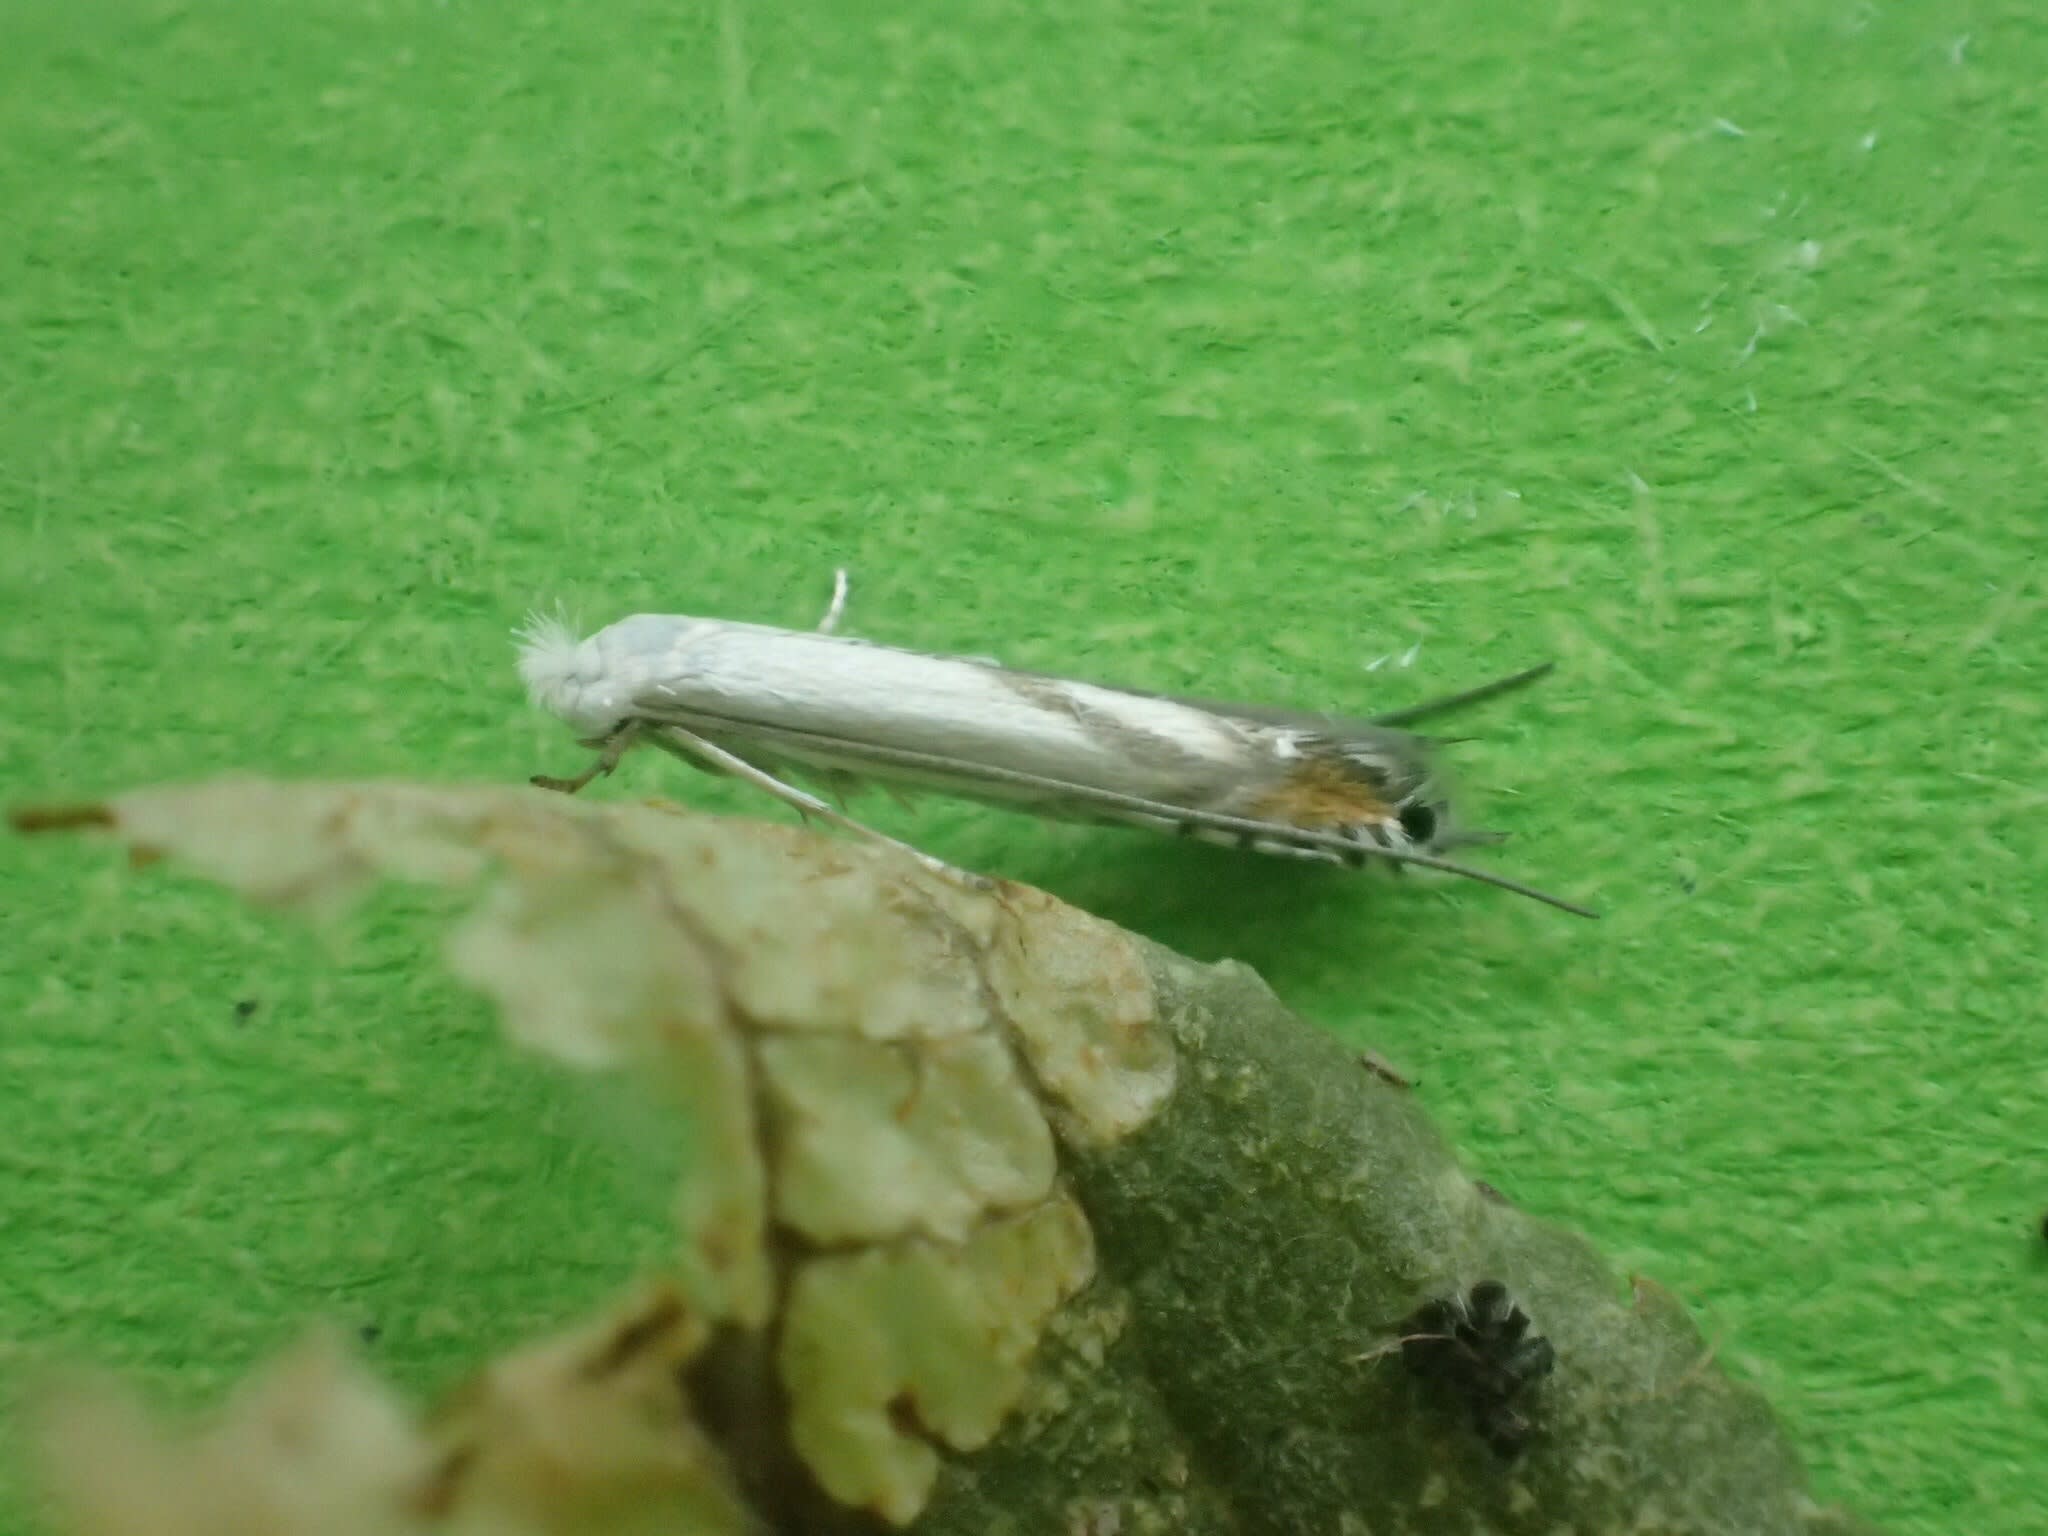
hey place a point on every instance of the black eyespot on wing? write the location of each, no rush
(1419, 821)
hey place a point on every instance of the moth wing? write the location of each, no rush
(848, 763)
(1178, 777)
(1308, 721)
(1338, 731)
(1378, 743)
(850, 759)
(1396, 761)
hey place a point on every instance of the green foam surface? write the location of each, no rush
(1249, 349)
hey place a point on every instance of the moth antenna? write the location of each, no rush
(1479, 695)
(1483, 876)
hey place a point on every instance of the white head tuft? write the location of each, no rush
(551, 658)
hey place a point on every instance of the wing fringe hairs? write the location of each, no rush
(1031, 1180)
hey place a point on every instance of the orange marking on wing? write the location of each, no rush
(1324, 792)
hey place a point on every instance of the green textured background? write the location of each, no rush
(1228, 346)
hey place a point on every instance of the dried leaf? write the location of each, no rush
(996, 1218)
(313, 1446)
(589, 1434)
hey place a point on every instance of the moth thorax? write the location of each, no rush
(1329, 791)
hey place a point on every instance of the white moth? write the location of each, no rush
(753, 701)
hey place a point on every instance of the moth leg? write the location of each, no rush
(691, 744)
(610, 750)
(830, 623)
(838, 786)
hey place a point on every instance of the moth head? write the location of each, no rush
(1405, 768)
(551, 657)
(1398, 772)
(1428, 823)
(1424, 828)
(566, 676)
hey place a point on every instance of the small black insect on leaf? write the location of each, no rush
(1479, 1349)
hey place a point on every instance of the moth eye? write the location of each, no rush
(1419, 822)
